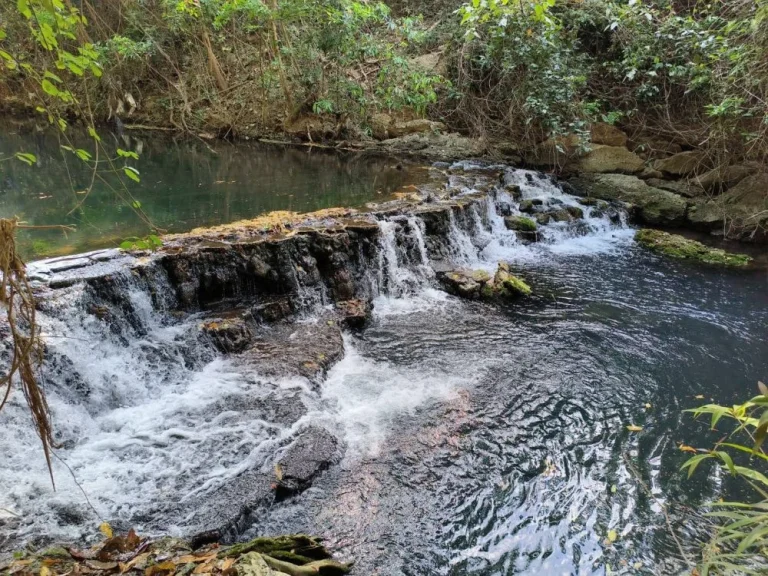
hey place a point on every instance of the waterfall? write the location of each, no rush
(146, 409)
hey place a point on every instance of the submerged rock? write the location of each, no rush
(678, 246)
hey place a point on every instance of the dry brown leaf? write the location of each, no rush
(226, 564)
(192, 558)
(98, 565)
(133, 562)
(685, 448)
(45, 571)
(160, 568)
(634, 428)
(206, 568)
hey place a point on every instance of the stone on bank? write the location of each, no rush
(677, 246)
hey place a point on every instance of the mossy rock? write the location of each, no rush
(677, 246)
(520, 224)
(506, 284)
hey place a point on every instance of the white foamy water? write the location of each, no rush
(370, 397)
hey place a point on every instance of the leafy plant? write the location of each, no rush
(741, 540)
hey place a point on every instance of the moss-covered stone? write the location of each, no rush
(506, 284)
(677, 246)
(520, 224)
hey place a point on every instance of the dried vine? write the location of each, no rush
(27, 350)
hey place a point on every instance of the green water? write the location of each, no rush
(185, 183)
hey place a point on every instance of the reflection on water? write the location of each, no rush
(184, 184)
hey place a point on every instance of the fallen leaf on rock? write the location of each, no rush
(685, 448)
(98, 565)
(612, 536)
(45, 571)
(137, 561)
(226, 564)
(633, 428)
(206, 568)
(699, 397)
(192, 558)
(160, 568)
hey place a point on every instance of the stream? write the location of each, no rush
(473, 438)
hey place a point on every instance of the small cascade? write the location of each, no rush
(147, 408)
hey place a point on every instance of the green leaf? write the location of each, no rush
(23, 6)
(693, 462)
(127, 154)
(3, 35)
(92, 133)
(725, 457)
(136, 205)
(62, 124)
(84, 155)
(751, 474)
(26, 157)
(51, 76)
(96, 71)
(126, 245)
(132, 173)
(49, 88)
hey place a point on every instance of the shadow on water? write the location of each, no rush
(184, 184)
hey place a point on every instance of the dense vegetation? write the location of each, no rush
(691, 71)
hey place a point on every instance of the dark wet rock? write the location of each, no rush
(504, 208)
(310, 454)
(273, 310)
(530, 206)
(286, 349)
(231, 335)
(354, 313)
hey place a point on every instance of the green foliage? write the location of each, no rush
(741, 539)
(150, 242)
(557, 65)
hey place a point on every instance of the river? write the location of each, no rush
(475, 438)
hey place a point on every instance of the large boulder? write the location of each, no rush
(607, 159)
(384, 127)
(721, 179)
(653, 206)
(608, 135)
(684, 164)
(683, 187)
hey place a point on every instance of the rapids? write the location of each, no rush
(474, 438)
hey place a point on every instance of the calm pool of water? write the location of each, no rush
(184, 184)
